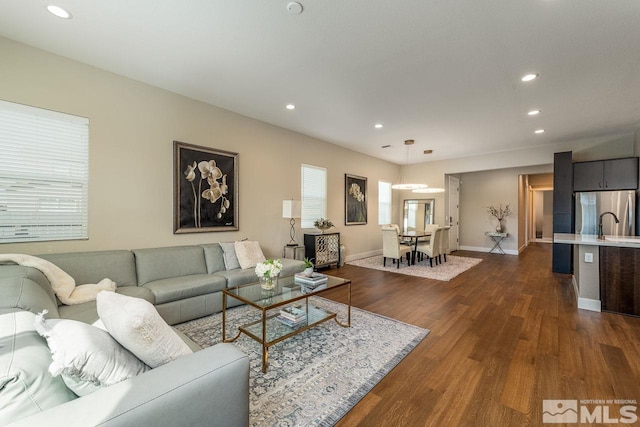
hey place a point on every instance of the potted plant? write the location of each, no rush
(323, 224)
(308, 267)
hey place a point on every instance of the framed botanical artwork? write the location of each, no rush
(205, 189)
(355, 199)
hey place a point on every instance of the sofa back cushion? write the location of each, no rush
(92, 267)
(163, 263)
(214, 257)
(26, 288)
(26, 386)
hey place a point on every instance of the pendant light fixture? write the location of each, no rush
(403, 185)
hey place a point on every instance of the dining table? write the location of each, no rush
(413, 237)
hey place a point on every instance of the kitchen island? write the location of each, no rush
(606, 272)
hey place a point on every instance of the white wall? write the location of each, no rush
(132, 129)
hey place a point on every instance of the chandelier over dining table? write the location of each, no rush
(405, 185)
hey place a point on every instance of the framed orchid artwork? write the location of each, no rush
(355, 200)
(205, 189)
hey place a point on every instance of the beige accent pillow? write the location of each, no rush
(136, 324)
(249, 254)
(87, 358)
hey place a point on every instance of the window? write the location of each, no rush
(314, 195)
(44, 161)
(384, 202)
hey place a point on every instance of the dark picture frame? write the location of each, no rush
(355, 199)
(205, 188)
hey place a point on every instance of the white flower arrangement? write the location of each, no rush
(269, 268)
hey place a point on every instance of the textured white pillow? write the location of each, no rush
(136, 324)
(249, 254)
(86, 357)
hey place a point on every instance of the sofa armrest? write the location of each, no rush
(207, 388)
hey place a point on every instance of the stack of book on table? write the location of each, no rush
(313, 281)
(292, 315)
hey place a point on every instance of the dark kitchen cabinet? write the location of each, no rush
(620, 280)
(603, 175)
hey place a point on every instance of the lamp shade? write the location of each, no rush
(291, 209)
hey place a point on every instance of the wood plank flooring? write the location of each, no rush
(504, 336)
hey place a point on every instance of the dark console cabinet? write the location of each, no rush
(603, 175)
(323, 249)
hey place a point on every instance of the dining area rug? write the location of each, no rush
(314, 378)
(444, 271)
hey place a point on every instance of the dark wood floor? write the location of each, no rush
(504, 336)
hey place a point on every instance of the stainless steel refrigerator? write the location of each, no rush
(590, 205)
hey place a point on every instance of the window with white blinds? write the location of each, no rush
(384, 202)
(44, 174)
(314, 194)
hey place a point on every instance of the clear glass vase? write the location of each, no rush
(268, 283)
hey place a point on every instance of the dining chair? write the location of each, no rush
(444, 244)
(432, 247)
(397, 228)
(391, 247)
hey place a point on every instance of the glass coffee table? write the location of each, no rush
(269, 330)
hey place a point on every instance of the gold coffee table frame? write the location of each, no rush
(269, 330)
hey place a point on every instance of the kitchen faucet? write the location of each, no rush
(600, 233)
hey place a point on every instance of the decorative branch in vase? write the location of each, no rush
(500, 213)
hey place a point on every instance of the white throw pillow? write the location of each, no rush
(136, 324)
(249, 254)
(86, 357)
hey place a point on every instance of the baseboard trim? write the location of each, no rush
(589, 304)
(485, 249)
(363, 255)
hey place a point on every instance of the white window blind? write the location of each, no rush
(384, 202)
(314, 194)
(44, 174)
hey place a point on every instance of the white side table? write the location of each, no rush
(497, 241)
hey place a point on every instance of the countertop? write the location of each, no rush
(590, 239)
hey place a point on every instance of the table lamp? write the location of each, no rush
(291, 210)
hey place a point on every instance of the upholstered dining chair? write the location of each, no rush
(391, 247)
(397, 228)
(432, 247)
(444, 244)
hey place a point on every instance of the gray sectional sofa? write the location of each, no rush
(209, 387)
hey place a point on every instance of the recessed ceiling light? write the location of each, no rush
(378, 126)
(290, 107)
(533, 112)
(409, 142)
(529, 77)
(539, 131)
(386, 146)
(428, 151)
(59, 12)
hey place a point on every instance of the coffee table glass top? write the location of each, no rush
(285, 292)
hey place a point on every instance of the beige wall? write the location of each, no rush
(481, 189)
(133, 126)
(132, 129)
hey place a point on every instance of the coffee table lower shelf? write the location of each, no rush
(269, 330)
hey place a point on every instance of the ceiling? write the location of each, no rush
(445, 73)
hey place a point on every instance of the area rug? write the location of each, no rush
(316, 377)
(445, 271)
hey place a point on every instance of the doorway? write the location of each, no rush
(541, 229)
(453, 209)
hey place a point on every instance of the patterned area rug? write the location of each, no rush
(445, 271)
(316, 377)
